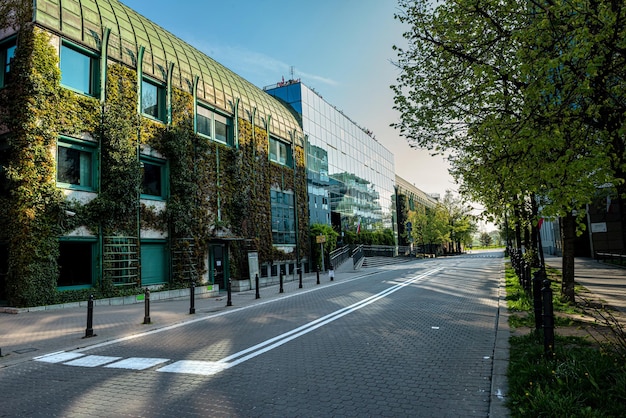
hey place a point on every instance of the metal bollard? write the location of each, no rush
(192, 298)
(538, 279)
(146, 317)
(89, 329)
(527, 278)
(280, 280)
(317, 271)
(256, 284)
(229, 302)
(548, 319)
(300, 278)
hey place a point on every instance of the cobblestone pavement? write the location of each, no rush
(416, 339)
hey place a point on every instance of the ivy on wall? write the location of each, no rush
(30, 213)
(117, 205)
(206, 177)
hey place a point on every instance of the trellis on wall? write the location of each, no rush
(121, 259)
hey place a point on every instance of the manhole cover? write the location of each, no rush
(25, 350)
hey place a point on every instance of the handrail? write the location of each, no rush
(339, 255)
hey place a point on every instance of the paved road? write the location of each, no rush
(415, 339)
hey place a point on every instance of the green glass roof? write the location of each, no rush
(83, 21)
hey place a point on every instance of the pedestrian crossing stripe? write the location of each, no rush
(92, 361)
(137, 363)
(77, 359)
(58, 357)
(205, 368)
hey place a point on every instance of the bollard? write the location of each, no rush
(89, 330)
(280, 280)
(317, 271)
(548, 319)
(331, 273)
(538, 279)
(146, 317)
(229, 302)
(527, 274)
(192, 297)
(300, 278)
(256, 284)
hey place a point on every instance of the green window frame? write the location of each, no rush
(280, 152)
(76, 164)
(7, 53)
(79, 69)
(283, 217)
(153, 99)
(214, 125)
(154, 178)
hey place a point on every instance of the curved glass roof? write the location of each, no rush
(83, 21)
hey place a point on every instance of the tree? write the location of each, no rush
(515, 94)
(430, 228)
(485, 239)
(460, 223)
(330, 238)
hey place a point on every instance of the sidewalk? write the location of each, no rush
(29, 334)
(605, 281)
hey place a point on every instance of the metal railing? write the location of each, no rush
(339, 256)
(357, 254)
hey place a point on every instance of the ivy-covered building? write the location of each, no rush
(408, 198)
(129, 157)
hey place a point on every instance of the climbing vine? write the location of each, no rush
(116, 205)
(30, 212)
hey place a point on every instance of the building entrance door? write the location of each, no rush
(218, 264)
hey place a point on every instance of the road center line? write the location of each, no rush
(272, 343)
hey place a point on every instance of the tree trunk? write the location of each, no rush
(568, 226)
(518, 228)
(621, 192)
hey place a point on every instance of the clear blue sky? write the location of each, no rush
(340, 48)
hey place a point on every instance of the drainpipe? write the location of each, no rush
(138, 151)
(295, 198)
(103, 77)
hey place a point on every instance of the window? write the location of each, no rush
(280, 152)
(204, 121)
(222, 129)
(7, 53)
(76, 164)
(154, 179)
(76, 261)
(214, 125)
(283, 218)
(153, 100)
(79, 70)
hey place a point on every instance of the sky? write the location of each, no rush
(340, 48)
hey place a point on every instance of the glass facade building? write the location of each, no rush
(351, 176)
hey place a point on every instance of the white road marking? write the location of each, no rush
(205, 368)
(58, 357)
(137, 363)
(91, 361)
